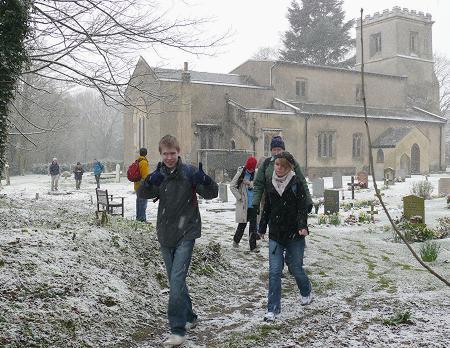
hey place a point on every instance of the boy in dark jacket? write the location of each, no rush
(178, 225)
(286, 210)
(78, 172)
(54, 172)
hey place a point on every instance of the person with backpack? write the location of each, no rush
(54, 172)
(78, 173)
(137, 172)
(265, 172)
(242, 188)
(177, 184)
(286, 212)
(97, 168)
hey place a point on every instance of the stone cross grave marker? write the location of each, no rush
(337, 180)
(444, 186)
(414, 206)
(223, 192)
(331, 201)
(352, 185)
(318, 187)
(372, 212)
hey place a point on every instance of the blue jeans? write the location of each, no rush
(294, 250)
(177, 261)
(141, 207)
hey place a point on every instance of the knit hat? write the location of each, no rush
(250, 164)
(286, 155)
(54, 159)
(277, 141)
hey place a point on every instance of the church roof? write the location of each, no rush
(412, 114)
(391, 137)
(206, 77)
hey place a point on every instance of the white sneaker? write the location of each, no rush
(306, 300)
(270, 317)
(174, 340)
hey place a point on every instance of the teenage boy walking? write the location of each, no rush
(178, 225)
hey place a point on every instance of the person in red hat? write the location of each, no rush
(242, 188)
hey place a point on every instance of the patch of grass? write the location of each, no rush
(334, 219)
(384, 283)
(2, 262)
(323, 274)
(404, 266)
(161, 279)
(385, 258)
(429, 251)
(398, 319)
(207, 259)
(69, 325)
(370, 264)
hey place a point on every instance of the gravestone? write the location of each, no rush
(401, 174)
(379, 171)
(389, 175)
(444, 186)
(413, 206)
(337, 180)
(363, 179)
(223, 192)
(318, 187)
(331, 201)
(117, 172)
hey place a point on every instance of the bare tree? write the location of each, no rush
(266, 53)
(442, 71)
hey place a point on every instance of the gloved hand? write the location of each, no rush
(200, 178)
(156, 178)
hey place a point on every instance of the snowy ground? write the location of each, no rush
(66, 282)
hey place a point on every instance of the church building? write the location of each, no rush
(220, 119)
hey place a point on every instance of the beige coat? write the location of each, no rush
(241, 197)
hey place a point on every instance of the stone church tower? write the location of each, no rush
(399, 42)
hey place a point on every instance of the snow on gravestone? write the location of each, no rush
(317, 187)
(444, 186)
(331, 201)
(413, 206)
(337, 180)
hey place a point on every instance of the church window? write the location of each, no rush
(300, 87)
(375, 44)
(380, 156)
(141, 131)
(325, 144)
(357, 145)
(209, 135)
(413, 42)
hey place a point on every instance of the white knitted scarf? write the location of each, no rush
(280, 183)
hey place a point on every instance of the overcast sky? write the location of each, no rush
(261, 23)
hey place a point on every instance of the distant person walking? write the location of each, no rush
(78, 172)
(141, 203)
(242, 188)
(54, 172)
(97, 168)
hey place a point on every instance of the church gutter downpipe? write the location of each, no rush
(306, 144)
(377, 192)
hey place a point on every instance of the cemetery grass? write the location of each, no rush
(65, 281)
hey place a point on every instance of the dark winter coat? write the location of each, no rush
(54, 169)
(178, 214)
(263, 179)
(286, 214)
(78, 171)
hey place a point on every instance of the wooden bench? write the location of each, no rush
(105, 202)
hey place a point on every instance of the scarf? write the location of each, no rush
(280, 183)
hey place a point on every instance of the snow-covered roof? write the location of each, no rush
(405, 114)
(391, 137)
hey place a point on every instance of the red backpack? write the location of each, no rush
(133, 172)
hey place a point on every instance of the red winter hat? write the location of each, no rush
(250, 164)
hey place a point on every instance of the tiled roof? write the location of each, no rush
(391, 137)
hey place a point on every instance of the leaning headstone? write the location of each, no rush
(444, 186)
(363, 179)
(337, 180)
(331, 201)
(117, 172)
(413, 206)
(318, 187)
(379, 171)
(223, 192)
(389, 175)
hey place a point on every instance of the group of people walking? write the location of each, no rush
(55, 172)
(275, 194)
